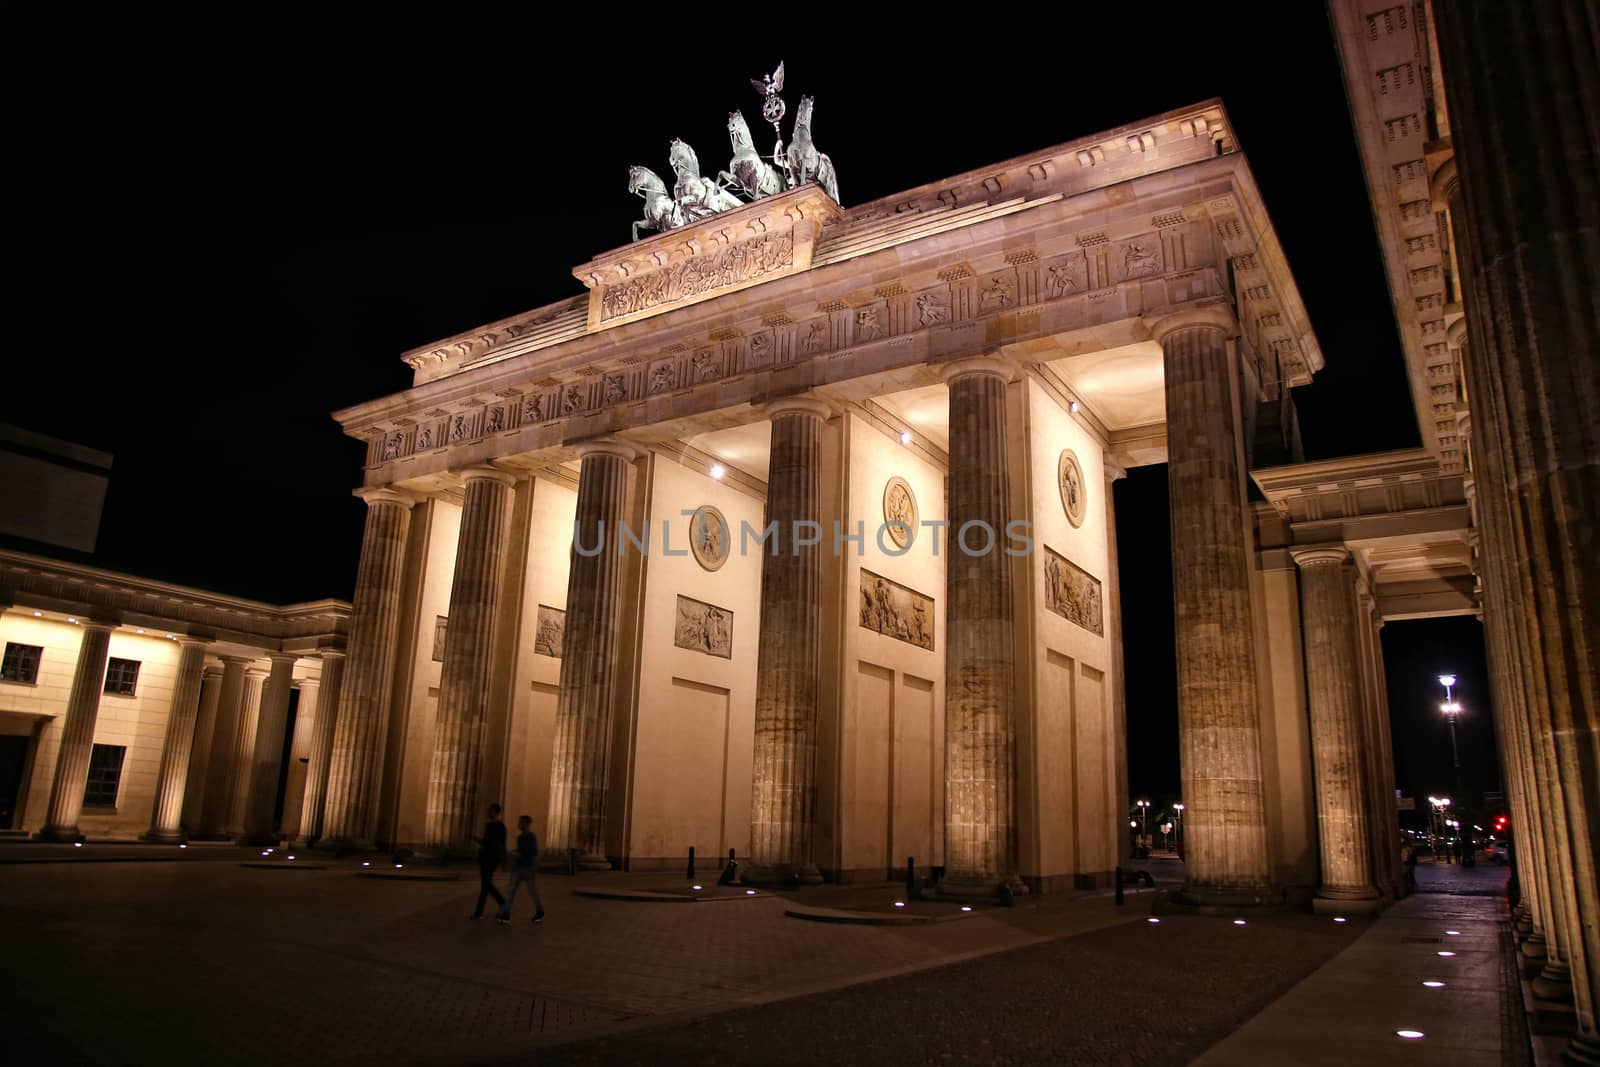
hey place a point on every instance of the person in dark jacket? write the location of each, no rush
(491, 852)
(526, 871)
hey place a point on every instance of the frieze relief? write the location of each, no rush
(551, 632)
(893, 610)
(703, 627)
(738, 263)
(1072, 592)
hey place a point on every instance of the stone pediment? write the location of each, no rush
(772, 238)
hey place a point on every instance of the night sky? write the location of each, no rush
(211, 252)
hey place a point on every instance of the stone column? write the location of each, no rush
(789, 663)
(244, 750)
(77, 734)
(1119, 688)
(172, 781)
(1523, 95)
(321, 748)
(1385, 813)
(218, 806)
(205, 726)
(452, 813)
(581, 759)
(1225, 835)
(350, 808)
(1334, 698)
(271, 725)
(981, 854)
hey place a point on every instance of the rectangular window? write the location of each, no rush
(105, 775)
(21, 663)
(122, 675)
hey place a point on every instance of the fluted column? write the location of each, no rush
(789, 662)
(267, 760)
(1385, 813)
(172, 781)
(327, 714)
(77, 734)
(1523, 94)
(218, 807)
(1338, 755)
(205, 727)
(981, 854)
(1219, 732)
(581, 759)
(469, 642)
(1119, 687)
(244, 750)
(350, 809)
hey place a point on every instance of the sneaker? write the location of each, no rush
(539, 918)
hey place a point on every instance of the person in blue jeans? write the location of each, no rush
(526, 871)
(491, 852)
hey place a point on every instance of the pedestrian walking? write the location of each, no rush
(526, 872)
(491, 853)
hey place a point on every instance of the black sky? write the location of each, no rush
(215, 247)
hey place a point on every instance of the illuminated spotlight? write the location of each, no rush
(1152, 920)
(1447, 953)
(718, 470)
(1075, 406)
(1238, 922)
(1453, 933)
(37, 614)
(1410, 1035)
(73, 621)
(398, 866)
(1340, 919)
(899, 903)
(694, 887)
(268, 852)
(1433, 983)
(966, 907)
(289, 857)
(183, 846)
(905, 437)
(171, 638)
(77, 844)
(138, 631)
(749, 892)
(365, 863)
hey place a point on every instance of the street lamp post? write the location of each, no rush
(1144, 829)
(1178, 813)
(1451, 711)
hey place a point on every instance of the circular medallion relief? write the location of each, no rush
(899, 512)
(1074, 491)
(708, 537)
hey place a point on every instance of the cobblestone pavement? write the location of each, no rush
(1136, 993)
(214, 962)
(1480, 880)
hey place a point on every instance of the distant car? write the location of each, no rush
(1500, 852)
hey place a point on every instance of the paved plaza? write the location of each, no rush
(200, 959)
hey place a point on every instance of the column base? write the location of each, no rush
(63, 835)
(1533, 947)
(164, 837)
(1553, 983)
(1583, 1049)
(1223, 899)
(1323, 904)
(979, 887)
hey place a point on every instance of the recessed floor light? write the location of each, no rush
(1453, 933)
(1410, 1035)
(1152, 920)
(1339, 919)
(1447, 953)
(1238, 922)
(966, 907)
(1433, 983)
(899, 903)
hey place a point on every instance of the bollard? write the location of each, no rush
(1118, 876)
(911, 877)
(691, 863)
(572, 861)
(730, 873)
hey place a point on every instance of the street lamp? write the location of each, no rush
(1144, 811)
(1178, 813)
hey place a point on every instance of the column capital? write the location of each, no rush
(999, 367)
(331, 653)
(1455, 335)
(236, 661)
(280, 657)
(1210, 317)
(1311, 557)
(804, 404)
(605, 446)
(386, 496)
(191, 640)
(212, 670)
(487, 474)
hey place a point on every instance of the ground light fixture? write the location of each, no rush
(1339, 919)
(1238, 922)
(1152, 920)
(966, 907)
(1433, 983)
(1447, 954)
(749, 892)
(1410, 1035)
